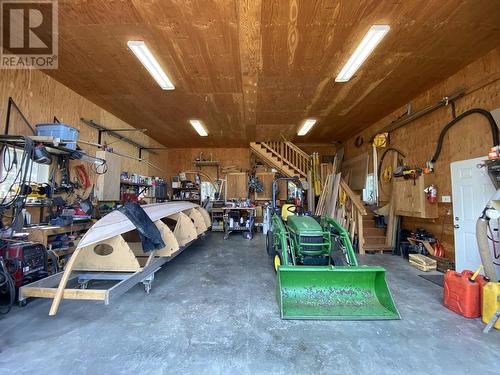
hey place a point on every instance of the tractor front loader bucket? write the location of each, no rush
(336, 293)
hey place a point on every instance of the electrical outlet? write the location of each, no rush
(446, 198)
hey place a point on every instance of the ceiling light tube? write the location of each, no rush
(371, 39)
(198, 126)
(142, 52)
(306, 126)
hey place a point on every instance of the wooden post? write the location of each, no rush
(311, 204)
(351, 222)
(361, 236)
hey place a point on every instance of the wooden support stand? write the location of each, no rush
(119, 260)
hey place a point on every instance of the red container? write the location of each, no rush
(462, 295)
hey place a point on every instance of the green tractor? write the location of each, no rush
(318, 273)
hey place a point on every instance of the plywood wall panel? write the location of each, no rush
(181, 159)
(468, 139)
(40, 98)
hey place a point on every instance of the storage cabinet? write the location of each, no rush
(411, 200)
(267, 179)
(237, 186)
(108, 184)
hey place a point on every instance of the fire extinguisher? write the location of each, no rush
(432, 193)
(297, 202)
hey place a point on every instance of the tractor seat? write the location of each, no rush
(285, 212)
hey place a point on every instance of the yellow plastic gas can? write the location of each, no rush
(491, 291)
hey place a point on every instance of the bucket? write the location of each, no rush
(335, 293)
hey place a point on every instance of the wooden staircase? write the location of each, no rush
(375, 238)
(283, 156)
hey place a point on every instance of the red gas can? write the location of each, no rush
(463, 295)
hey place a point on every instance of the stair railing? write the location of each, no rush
(339, 202)
(290, 155)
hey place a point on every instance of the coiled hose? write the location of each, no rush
(484, 249)
(479, 111)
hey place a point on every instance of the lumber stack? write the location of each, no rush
(338, 201)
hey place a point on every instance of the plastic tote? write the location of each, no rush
(67, 134)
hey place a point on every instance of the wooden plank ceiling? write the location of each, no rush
(253, 69)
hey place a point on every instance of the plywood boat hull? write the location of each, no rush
(123, 258)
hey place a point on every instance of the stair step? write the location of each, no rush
(377, 248)
(375, 240)
(274, 161)
(368, 224)
(373, 231)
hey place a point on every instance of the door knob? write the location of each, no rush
(456, 226)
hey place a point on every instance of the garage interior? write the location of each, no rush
(254, 187)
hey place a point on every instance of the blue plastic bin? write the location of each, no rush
(64, 132)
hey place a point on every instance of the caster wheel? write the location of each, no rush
(22, 303)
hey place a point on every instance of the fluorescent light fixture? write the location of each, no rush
(371, 39)
(147, 59)
(198, 126)
(306, 126)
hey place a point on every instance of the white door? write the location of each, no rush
(472, 189)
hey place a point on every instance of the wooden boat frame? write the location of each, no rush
(118, 255)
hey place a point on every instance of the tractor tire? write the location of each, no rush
(269, 243)
(277, 262)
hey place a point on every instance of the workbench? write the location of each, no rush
(228, 229)
(42, 234)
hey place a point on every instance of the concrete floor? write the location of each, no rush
(212, 311)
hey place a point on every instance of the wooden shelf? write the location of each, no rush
(135, 184)
(51, 147)
(206, 163)
(41, 233)
(187, 189)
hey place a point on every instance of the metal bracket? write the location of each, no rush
(149, 149)
(114, 132)
(121, 138)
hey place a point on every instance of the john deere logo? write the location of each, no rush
(29, 34)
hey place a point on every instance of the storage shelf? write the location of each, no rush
(135, 184)
(187, 189)
(19, 142)
(206, 163)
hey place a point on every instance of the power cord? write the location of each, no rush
(21, 181)
(7, 287)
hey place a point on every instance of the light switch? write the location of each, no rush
(446, 198)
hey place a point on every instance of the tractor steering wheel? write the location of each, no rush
(294, 209)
